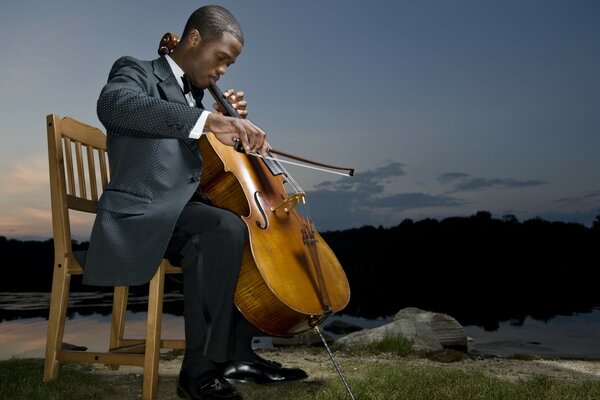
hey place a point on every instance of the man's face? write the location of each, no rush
(207, 61)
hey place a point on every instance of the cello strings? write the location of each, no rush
(298, 164)
(295, 186)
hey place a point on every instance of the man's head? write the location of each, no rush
(211, 22)
(211, 41)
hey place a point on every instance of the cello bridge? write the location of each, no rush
(289, 203)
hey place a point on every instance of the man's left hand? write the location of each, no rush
(236, 99)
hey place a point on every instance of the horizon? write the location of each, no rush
(81, 239)
(443, 108)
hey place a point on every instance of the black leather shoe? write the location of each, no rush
(274, 363)
(208, 386)
(260, 371)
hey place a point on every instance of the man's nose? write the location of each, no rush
(221, 69)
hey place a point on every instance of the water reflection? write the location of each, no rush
(23, 326)
(35, 304)
(27, 337)
(576, 336)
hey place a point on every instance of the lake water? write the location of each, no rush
(23, 326)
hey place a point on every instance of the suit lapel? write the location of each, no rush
(169, 90)
(168, 86)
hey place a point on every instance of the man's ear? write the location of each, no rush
(194, 38)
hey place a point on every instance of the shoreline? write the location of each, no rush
(319, 368)
(444, 374)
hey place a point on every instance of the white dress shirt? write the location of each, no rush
(198, 129)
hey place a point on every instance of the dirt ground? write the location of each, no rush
(317, 364)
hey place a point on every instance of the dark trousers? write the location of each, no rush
(208, 243)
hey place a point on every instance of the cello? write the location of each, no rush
(290, 280)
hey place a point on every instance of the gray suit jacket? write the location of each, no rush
(155, 170)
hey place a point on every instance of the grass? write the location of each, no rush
(375, 372)
(428, 383)
(22, 379)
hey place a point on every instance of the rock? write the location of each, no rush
(419, 333)
(73, 347)
(340, 327)
(447, 330)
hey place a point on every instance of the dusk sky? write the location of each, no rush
(445, 108)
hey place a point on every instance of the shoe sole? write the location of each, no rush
(235, 381)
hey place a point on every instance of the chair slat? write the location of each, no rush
(80, 171)
(84, 133)
(92, 173)
(80, 204)
(68, 159)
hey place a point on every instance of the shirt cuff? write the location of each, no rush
(198, 129)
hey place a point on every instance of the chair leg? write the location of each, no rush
(117, 326)
(56, 320)
(153, 331)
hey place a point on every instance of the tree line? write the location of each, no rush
(479, 269)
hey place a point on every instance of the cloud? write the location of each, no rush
(36, 222)
(44, 215)
(593, 196)
(484, 183)
(407, 201)
(25, 175)
(452, 176)
(370, 181)
(582, 209)
(464, 182)
(366, 199)
(26, 222)
(363, 200)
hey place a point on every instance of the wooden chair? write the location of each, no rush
(78, 174)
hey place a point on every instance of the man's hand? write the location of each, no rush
(229, 130)
(236, 99)
(251, 136)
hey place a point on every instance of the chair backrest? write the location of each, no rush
(79, 172)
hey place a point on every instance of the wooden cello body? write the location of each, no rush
(279, 290)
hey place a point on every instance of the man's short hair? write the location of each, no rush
(212, 22)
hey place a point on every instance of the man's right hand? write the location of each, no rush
(228, 129)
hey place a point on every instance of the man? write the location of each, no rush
(153, 115)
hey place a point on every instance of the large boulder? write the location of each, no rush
(428, 331)
(419, 333)
(447, 330)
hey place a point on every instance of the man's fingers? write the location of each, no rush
(245, 142)
(258, 139)
(240, 105)
(233, 97)
(251, 136)
(265, 147)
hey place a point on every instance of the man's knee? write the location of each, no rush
(232, 226)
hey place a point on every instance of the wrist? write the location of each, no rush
(217, 123)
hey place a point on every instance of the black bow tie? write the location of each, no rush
(188, 86)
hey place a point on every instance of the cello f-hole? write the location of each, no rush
(265, 224)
